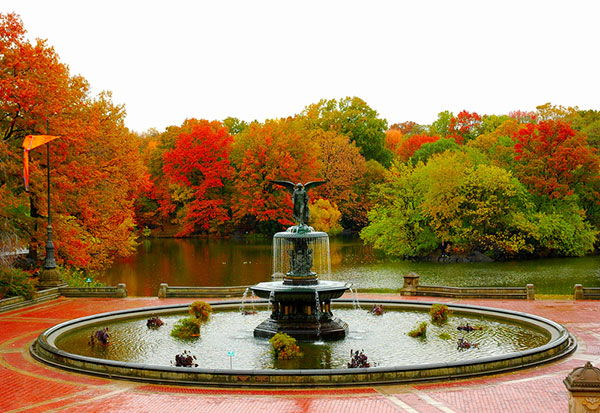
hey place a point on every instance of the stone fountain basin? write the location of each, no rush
(327, 290)
(560, 344)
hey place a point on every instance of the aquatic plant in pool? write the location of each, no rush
(285, 347)
(439, 313)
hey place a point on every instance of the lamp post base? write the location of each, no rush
(50, 278)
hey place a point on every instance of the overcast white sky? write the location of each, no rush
(409, 60)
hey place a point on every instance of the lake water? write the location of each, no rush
(187, 262)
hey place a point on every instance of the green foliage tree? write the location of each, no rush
(427, 150)
(355, 119)
(442, 124)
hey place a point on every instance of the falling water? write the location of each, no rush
(253, 296)
(318, 312)
(271, 300)
(355, 302)
(243, 304)
(283, 246)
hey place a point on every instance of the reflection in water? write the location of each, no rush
(179, 262)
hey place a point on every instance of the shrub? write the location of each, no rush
(201, 310)
(439, 313)
(15, 282)
(186, 328)
(285, 347)
(420, 331)
(79, 278)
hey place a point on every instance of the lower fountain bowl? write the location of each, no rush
(559, 344)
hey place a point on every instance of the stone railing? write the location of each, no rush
(412, 288)
(120, 291)
(12, 303)
(164, 291)
(586, 293)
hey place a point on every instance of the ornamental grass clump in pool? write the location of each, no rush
(189, 327)
(419, 331)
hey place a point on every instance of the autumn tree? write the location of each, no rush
(554, 160)
(34, 84)
(355, 218)
(234, 125)
(198, 165)
(407, 128)
(412, 144)
(96, 172)
(548, 111)
(343, 167)
(325, 216)
(393, 140)
(274, 150)
(464, 127)
(355, 119)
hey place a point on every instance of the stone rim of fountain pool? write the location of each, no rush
(560, 345)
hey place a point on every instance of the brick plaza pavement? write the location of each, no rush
(29, 386)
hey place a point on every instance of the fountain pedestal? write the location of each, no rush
(301, 303)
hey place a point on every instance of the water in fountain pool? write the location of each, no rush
(384, 340)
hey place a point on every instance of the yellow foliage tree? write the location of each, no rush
(325, 216)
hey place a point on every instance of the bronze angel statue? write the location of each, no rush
(299, 198)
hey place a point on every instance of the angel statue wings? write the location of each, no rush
(299, 198)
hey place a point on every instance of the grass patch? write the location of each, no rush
(79, 278)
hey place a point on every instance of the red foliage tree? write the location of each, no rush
(412, 144)
(464, 127)
(200, 162)
(553, 159)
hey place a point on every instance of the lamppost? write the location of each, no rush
(49, 275)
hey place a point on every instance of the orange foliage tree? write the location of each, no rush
(393, 140)
(199, 165)
(343, 167)
(277, 149)
(96, 173)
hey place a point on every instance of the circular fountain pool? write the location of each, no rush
(508, 340)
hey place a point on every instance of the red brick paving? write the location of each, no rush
(26, 385)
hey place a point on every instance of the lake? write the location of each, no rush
(229, 262)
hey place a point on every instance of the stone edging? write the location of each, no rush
(560, 345)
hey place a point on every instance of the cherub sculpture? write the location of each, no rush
(300, 198)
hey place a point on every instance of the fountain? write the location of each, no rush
(301, 303)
